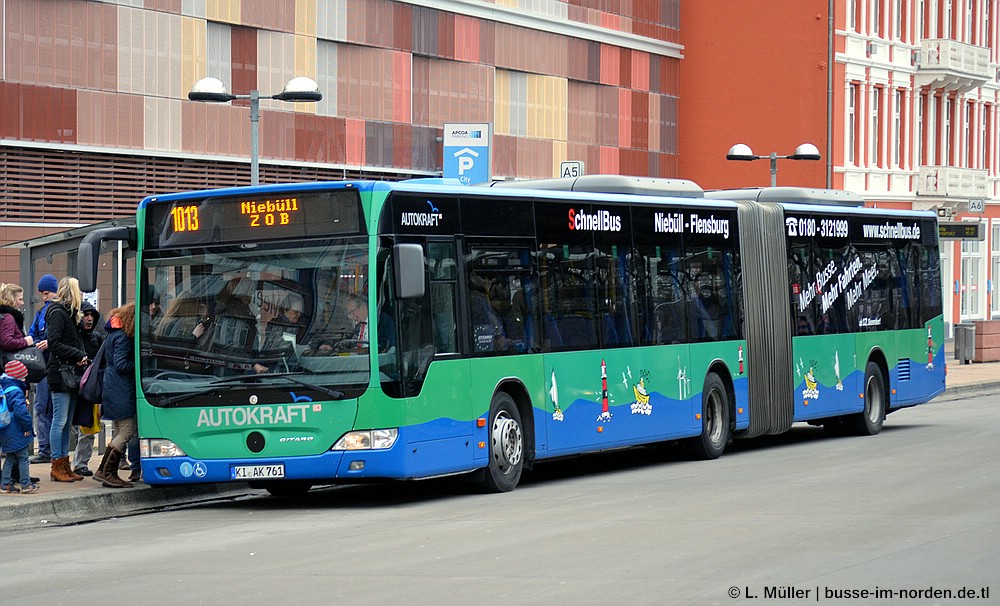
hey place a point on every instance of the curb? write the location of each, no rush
(89, 505)
(972, 389)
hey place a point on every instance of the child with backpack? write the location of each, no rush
(16, 435)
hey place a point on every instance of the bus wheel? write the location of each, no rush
(506, 445)
(869, 421)
(287, 488)
(714, 421)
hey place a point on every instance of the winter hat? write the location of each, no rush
(48, 283)
(15, 369)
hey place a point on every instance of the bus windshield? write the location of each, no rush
(278, 314)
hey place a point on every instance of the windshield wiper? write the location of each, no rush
(333, 393)
(212, 390)
(221, 385)
(231, 382)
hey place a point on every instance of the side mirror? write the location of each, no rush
(409, 265)
(90, 251)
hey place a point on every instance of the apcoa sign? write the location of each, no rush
(467, 152)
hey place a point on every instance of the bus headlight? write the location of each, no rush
(373, 439)
(158, 447)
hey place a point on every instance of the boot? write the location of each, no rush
(69, 469)
(99, 474)
(60, 471)
(111, 479)
(135, 476)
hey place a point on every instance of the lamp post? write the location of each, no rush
(742, 151)
(212, 90)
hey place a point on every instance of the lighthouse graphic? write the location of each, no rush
(930, 349)
(605, 415)
(557, 414)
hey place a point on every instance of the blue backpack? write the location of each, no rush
(5, 414)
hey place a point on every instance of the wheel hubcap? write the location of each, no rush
(713, 417)
(874, 397)
(507, 442)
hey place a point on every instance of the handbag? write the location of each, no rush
(93, 376)
(69, 376)
(94, 427)
(32, 358)
(87, 417)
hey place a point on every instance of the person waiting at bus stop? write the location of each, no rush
(12, 337)
(66, 350)
(92, 336)
(118, 393)
(41, 403)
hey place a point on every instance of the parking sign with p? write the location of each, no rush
(467, 152)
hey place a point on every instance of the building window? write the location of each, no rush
(988, 22)
(946, 136)
(967, 26)
(897, 127)
(920, 22)
(852, 125)
(919, 142)
(946, 26)
(989, 139)
(995, 269)
(972, 271)
(875, 146)
(898, 20)
(968, 150)
(877, 18)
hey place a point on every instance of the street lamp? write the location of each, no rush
(212, 90)
(742, 151)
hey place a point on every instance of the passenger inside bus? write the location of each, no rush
(235, 322)
(282, 334)
(186, 322)
(487, 326)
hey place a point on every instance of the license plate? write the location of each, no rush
(257, 472)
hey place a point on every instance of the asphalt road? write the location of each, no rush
(906, 515)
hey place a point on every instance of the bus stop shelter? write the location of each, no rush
(56, 254)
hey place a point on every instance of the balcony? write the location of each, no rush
(953, 66)
(951, 182)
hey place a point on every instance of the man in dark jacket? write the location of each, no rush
(42, 400)
(93, 335)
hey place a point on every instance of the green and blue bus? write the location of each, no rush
(325, 333)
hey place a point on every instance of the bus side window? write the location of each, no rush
(801, 287)
(708, 305)
(442, 268)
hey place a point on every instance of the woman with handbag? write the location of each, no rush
(118, 392)
(67, 360)
(12, 319)
(12, 336)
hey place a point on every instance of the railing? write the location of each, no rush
(951, 55)
(948, 181)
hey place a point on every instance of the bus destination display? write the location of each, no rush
(240, 219)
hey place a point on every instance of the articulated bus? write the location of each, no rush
(325, 333)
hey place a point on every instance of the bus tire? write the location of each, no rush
(714, 421)
(506, 445)
(869, 421)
